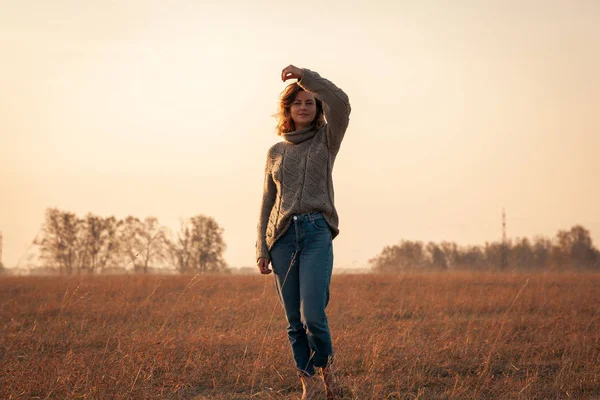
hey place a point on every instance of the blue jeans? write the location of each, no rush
(302, 260)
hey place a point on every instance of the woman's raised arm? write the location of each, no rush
(336, 104)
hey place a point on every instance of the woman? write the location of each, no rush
(298, 219)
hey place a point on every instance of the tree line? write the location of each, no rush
(569, 249)
(73, 245)
(93, 244)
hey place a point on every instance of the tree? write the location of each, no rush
(575, 246)
(494, 254)
(405, 256)
(386, 261)
(180, 249)
(208, 245)
(572, 248)
(143, 243)
(199, 246)
(130, 242)
(471, 257)
(153, 240)
(100, 241)
(60, 242)
(542, 250)
(522, 255)
(437, 257)
(450, 250)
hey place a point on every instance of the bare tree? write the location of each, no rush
(153, 241)
(60, 242)
(180, 248)
(436, 255)
(521, 254)
(575, 245)
(100, 241)
(199, 246)
(408, 255)
(208, 244)
(386, 261)
(494, 253)
(471, 257)
(450, 250)
(130, 242)
(143, 243)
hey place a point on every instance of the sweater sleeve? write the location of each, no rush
(336, 106)
(268, 200)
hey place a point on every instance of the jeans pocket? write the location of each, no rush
(321, 225)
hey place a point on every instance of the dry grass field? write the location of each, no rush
(416, 336)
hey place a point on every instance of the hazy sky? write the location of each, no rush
(165, 109)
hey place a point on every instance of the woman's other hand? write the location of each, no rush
(263, 266)
(291, 72)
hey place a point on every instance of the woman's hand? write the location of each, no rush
(263, 266)
(291, 72)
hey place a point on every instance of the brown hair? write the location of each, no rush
(285, 123)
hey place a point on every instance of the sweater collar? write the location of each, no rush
(300, 136)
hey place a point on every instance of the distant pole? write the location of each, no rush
(504, 260)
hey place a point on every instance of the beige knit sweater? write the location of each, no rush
(298, 170)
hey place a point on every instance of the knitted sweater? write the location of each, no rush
(298, 170)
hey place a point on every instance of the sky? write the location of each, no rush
(148, 108)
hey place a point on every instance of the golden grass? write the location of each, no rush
(427, 336)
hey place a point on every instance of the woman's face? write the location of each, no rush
(303, 109)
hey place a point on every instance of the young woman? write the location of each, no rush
(298, 219)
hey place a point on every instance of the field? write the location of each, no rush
(412, 336)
